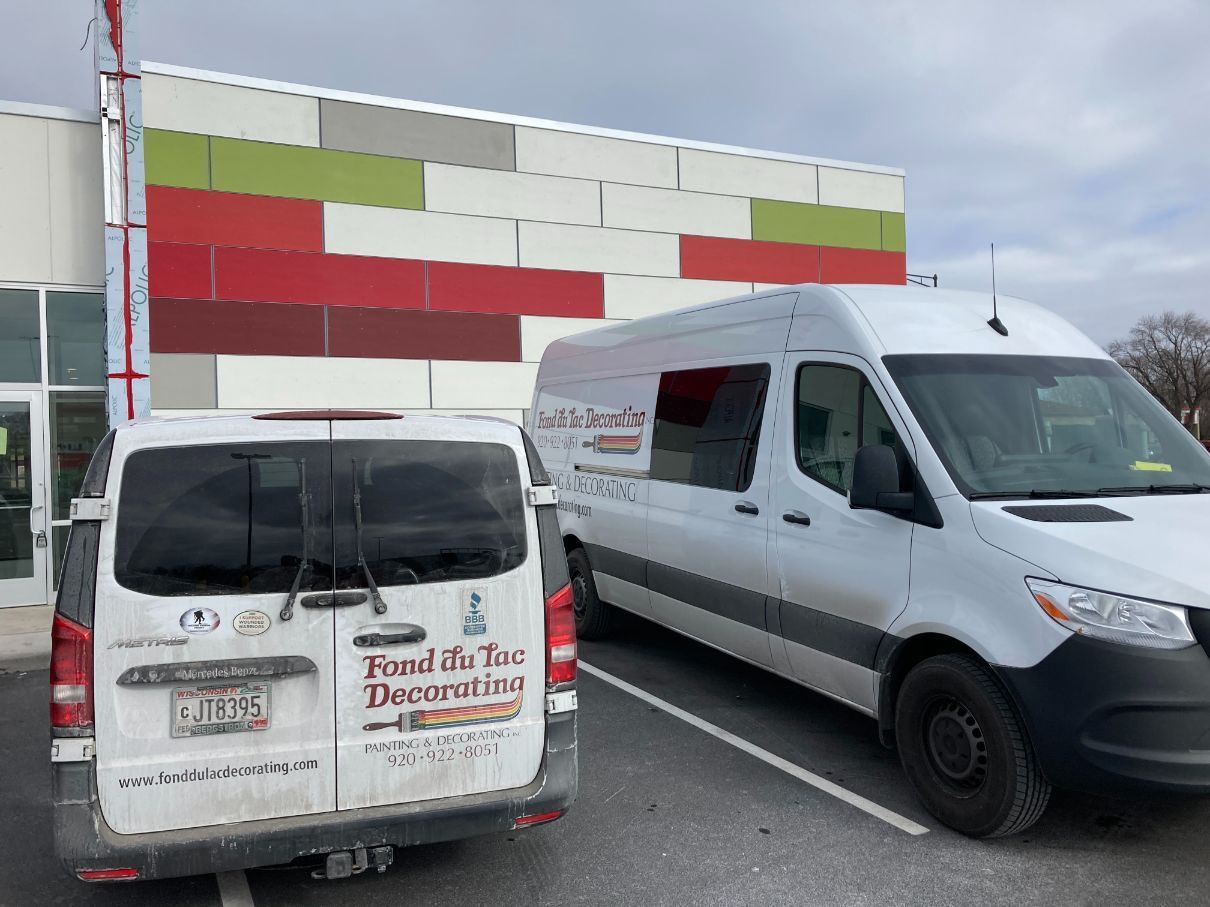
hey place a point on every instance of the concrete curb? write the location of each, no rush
(25, 638)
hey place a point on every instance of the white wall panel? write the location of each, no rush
(474, 385)
(400, 233)
(501, 193)
(539, 332)
(598, 249)
(77, 203)
(644, 208)
(734, 174)
(635, 297)
(25, 244)
(857, 189)
(185, 105)
(595, 157)
(303, 382)
(512, 415)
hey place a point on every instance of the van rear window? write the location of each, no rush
(225, 519)
(430, 511)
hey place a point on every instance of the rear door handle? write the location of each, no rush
(405, 633)
(332, 599)
(747, 507)
(796, 516)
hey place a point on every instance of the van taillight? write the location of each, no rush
(70, 674)
(560, 637)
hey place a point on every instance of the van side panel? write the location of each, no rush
(595, 441)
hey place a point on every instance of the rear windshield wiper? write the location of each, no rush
(304, 568)
(1034, 494)
(380, 607)
(1191, 488)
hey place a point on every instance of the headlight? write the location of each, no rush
(1114, 618)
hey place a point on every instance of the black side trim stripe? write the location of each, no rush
(740, 605)
(839, 637)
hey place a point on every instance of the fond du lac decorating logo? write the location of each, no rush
(474, 621)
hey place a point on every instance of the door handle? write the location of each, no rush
(332, 599)
(747, 507)
(797, 517)
(408, 633)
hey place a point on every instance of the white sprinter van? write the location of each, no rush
(993, 544)
(308, 634)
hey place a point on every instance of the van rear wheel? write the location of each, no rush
(965, 749)
(594, 618)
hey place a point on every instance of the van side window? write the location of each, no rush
(707, 423)
(837, 412)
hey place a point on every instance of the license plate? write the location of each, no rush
(203, 711)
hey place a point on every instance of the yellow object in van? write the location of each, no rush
(1144, 466)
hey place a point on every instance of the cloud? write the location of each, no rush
(1073, 135)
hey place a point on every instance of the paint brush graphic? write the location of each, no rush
(616, 444)
(470, 714)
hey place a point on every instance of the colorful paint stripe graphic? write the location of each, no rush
(618, 444)
(424, 719)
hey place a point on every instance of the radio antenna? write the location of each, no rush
(995, 323)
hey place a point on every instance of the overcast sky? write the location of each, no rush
(1076, 135)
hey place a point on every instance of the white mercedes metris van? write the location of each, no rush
(308, 634)
(987, 536)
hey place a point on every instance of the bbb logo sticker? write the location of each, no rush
(474, 621)
(197, 621)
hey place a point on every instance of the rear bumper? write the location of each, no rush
(84, 841)
(1108, 718)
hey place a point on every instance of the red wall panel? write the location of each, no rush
(396, 334)
(230, 219)
(516, 291)
(244, 328)
(712, 258)
(259, 275)
(861, 266)
(179, 270)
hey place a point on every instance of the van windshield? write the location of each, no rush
(1047, 426)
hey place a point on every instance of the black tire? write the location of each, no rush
(965, 749)
(594, 618)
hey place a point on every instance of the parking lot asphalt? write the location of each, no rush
(671, 814)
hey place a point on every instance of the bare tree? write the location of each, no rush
(1169, 354)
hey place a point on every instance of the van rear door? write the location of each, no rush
(440, 663)
(211, 706)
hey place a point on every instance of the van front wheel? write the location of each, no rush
(594, 618)
(965, 749)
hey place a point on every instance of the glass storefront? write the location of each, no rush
(52, 416)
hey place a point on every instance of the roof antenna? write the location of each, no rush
(995, 323)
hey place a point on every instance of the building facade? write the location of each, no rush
(313, 248)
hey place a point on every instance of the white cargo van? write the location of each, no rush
(304, 634)
(993, 543)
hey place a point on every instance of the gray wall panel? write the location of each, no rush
(420, 136)
(183, 381)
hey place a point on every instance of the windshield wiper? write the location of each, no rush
(1033, 494)
(1191, 488)
(380, 607)
(304, 568)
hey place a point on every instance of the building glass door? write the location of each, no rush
(23, 521)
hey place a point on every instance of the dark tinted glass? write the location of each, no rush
(224, 519)
(431, 511)
(20, 337)
(707, 422)
(75, 338)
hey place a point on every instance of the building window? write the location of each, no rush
(707, 422)
(75, 339)
(20, 337)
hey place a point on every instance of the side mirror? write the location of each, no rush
(876, 481)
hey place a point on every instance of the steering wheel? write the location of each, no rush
(1082, 445)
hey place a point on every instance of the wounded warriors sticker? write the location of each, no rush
(197, 621)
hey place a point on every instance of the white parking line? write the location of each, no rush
(233, 889)
(868, 806)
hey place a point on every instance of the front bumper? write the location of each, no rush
(1107, 718)
(84, 841)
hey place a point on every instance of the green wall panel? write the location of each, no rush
(852, 228)
(263, 168)
(894, 233)
(176, 159)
